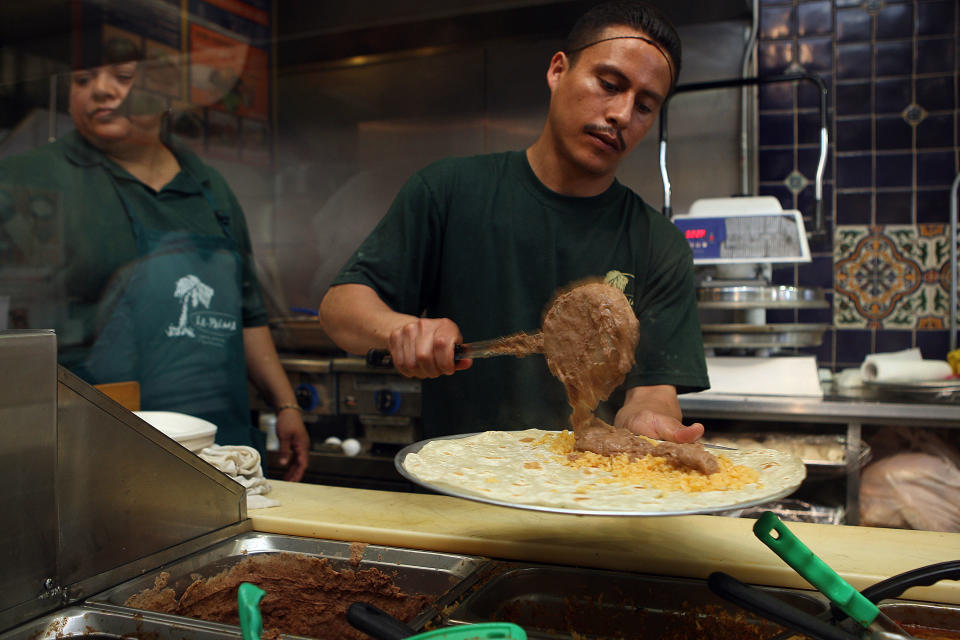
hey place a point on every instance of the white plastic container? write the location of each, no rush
(191, 432)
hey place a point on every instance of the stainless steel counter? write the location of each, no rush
(851, 409)
(832, 408)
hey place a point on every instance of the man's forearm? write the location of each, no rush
(357, 320)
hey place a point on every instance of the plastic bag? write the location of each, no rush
(943, 443)
(913, 491)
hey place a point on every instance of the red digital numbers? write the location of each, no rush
(695, 234)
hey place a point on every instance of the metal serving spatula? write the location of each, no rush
(775, 534)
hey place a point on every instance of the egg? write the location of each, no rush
(351, 446)
(334, 440)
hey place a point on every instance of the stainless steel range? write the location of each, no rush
(343, 399)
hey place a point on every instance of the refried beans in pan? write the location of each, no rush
(590, 336)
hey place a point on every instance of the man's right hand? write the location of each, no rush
(424, 348)
(356, 319)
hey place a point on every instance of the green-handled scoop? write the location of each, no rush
(478, 631)
(773, 533)
(248, 607)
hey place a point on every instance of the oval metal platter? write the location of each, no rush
(449, 491)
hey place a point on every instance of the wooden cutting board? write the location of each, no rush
(126, 394)
(682, 546)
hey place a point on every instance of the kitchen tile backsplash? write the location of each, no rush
(891, 69)
(891, 277)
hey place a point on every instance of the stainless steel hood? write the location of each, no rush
(92, 495)
(312, 32)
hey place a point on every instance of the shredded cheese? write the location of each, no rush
(649, 472)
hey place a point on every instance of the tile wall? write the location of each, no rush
(891, 68)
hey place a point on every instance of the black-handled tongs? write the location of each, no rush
(519, 344)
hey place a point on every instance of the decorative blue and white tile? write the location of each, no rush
(892, 277)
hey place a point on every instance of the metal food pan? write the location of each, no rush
(563, 602)
(814, 465)
(301, 334)
(98, 624)
(761, 297)
(924, 620)
(947, 391)
(440, 576)
(763, 335)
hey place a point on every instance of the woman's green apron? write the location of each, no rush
(172, 321)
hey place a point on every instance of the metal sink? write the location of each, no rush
(562, 602)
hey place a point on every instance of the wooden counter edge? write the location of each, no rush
(681, 546)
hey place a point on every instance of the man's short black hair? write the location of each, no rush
(637, 15)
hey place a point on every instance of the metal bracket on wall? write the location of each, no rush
(819, 227)
(953, 262)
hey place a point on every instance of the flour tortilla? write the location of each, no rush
(504, 467)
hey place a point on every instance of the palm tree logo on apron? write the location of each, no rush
(192, 293)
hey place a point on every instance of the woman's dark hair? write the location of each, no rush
(96, 52)
(120, 50)
(637, 15)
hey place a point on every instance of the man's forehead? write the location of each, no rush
(614, 36)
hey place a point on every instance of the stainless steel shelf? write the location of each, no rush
(763, 335)
(850, 411)
(761, 297)
(829, 410)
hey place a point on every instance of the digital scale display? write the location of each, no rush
(773, 237)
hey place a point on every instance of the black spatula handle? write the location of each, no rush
(376, 622)
(772, 608)
(895, 586)
(382, 359)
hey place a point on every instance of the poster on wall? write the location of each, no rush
(229, 51)
(228, 74)
(203, 60)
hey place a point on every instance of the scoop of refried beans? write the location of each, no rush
(590, 336)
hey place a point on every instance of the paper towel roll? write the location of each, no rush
(905, 354)
(905, 370)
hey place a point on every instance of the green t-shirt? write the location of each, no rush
(67, 233)
(483, 242)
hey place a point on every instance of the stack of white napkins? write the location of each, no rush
(242, 464)
(907, 365)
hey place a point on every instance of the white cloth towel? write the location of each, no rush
(907, 365)
(242, 464)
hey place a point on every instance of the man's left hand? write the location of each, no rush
(294, 444)
(654, 411)
(657, 425)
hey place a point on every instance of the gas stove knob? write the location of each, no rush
(387, 401)
(307, 397)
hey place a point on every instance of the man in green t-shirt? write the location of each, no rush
(475, 248)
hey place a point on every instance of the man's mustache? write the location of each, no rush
(607, 130)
